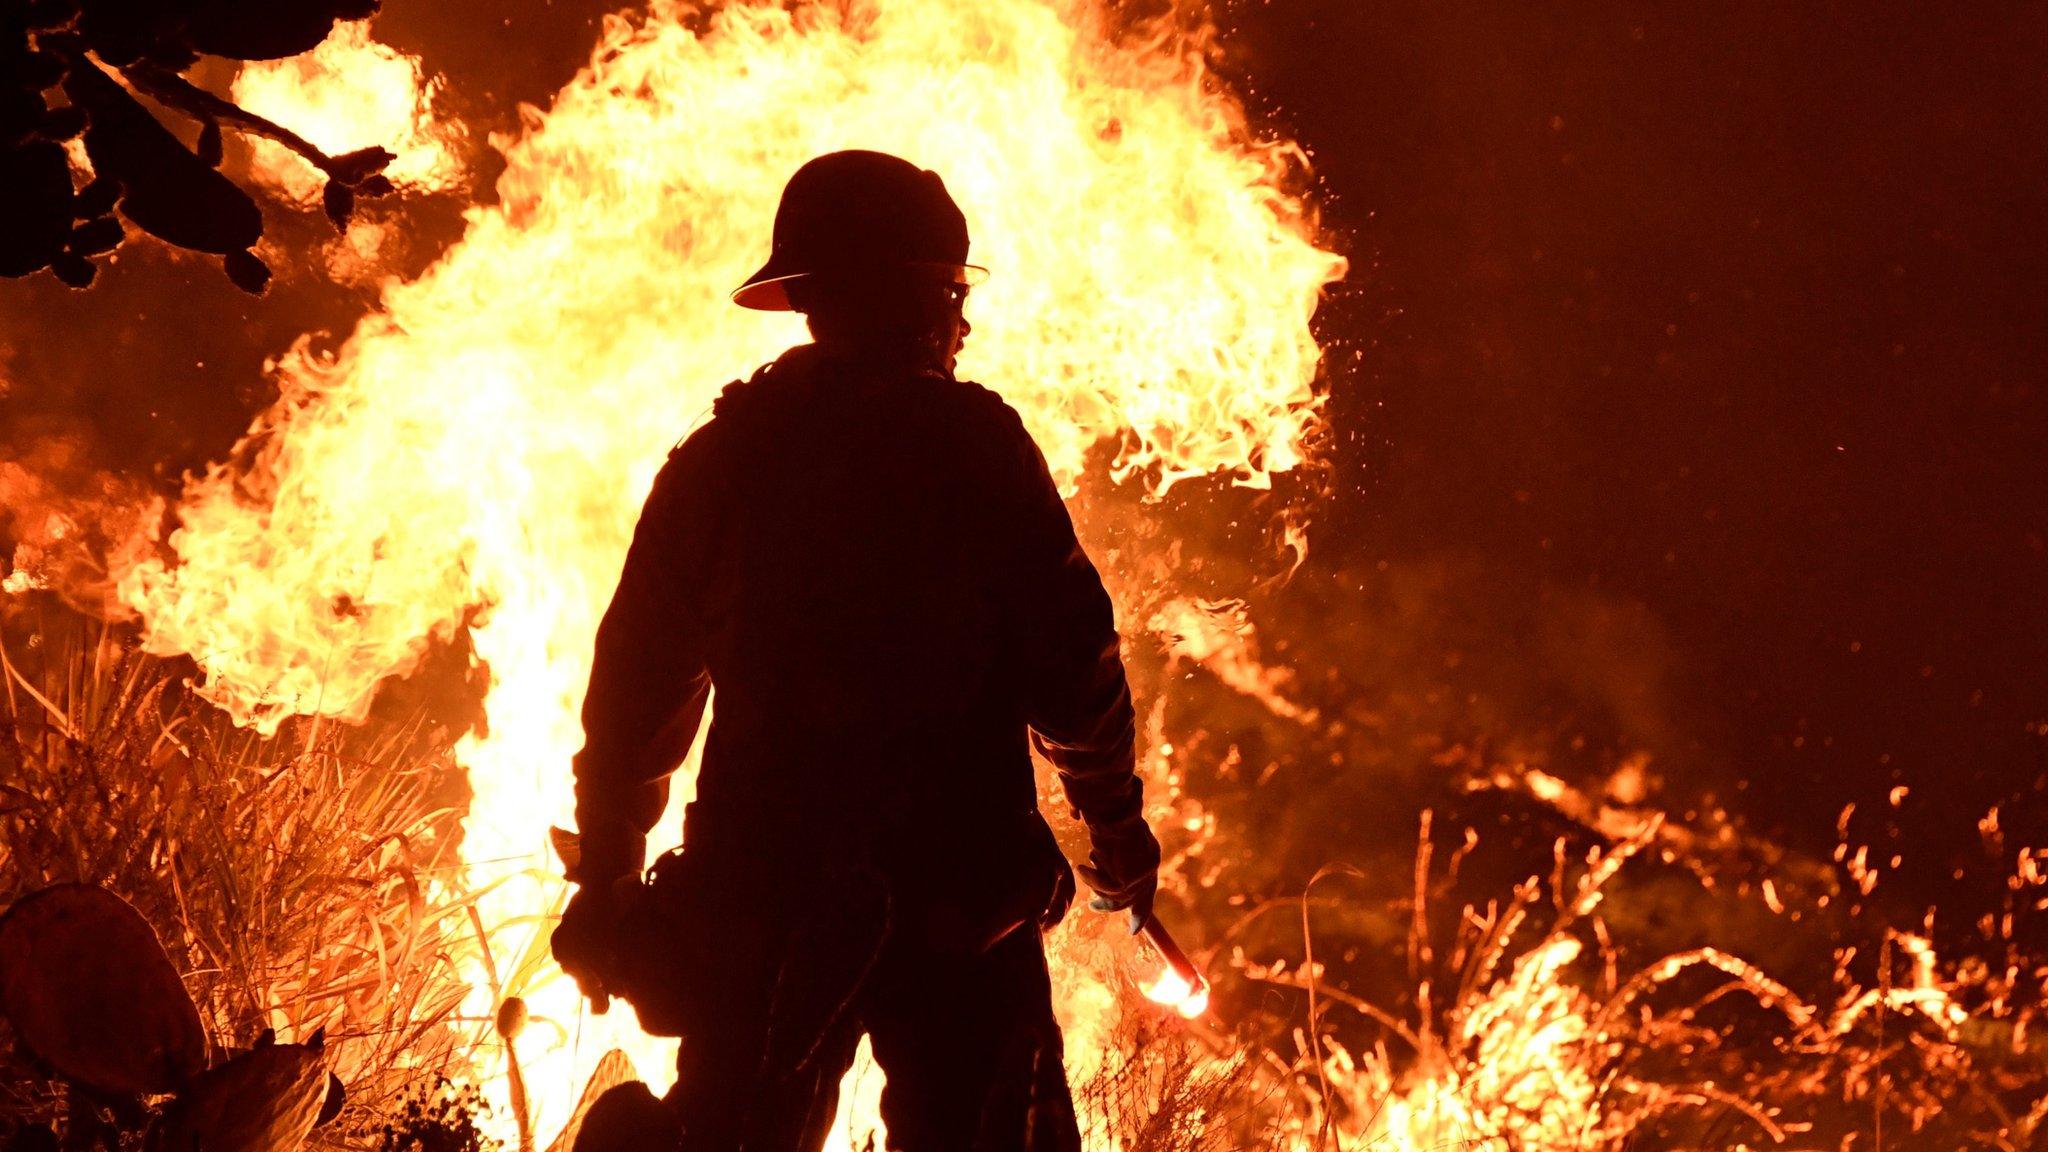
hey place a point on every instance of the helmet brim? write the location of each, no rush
(765, 290)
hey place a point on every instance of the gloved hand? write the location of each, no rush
(1123, 869)
(582, 942)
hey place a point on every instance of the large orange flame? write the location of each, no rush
(474, 456)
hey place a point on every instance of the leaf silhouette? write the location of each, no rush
(35, 200)
(170, 193)
(266, 30)
(96, 51)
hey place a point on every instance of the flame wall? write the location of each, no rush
(473, 458)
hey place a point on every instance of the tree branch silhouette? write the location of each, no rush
(94, 57)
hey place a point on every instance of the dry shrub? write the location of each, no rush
(308, 881)
(1162, 1088)
(1535, 1033)
(305, 881)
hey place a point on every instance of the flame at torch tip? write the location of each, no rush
(1172, 990)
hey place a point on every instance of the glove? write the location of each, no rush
(582, 942)
(1123, 869)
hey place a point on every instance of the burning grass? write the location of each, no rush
(1164, 1088)
(306, 881)
(298, 883)
(1533, 1032)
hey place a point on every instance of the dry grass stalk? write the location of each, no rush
(300, 882)
(1162, 1089)
(1543, 1045)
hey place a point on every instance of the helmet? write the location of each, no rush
(860, 212)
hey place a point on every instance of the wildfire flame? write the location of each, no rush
(1217, 637)
(350, 92)
(1527, 1082)
(471, 461)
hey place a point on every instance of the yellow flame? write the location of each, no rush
(473, 458)
(1516, 1075)
(1218, 636)
(350, 92)
(1923, 991)
(1173, 990)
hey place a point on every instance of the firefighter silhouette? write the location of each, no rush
(869, 561)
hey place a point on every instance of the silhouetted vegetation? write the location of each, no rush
(301, 887)
(82, 150)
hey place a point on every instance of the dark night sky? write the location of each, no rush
(1734, 315)
(1738, 314)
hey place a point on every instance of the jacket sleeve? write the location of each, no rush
(1077, 698)
(648, 680)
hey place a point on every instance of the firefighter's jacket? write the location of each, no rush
(876, 571)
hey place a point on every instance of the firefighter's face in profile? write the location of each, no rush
(914, 315)
(949, 324)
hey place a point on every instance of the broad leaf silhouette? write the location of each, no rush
(71, 67)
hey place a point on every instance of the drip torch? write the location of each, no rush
(1182, 987)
